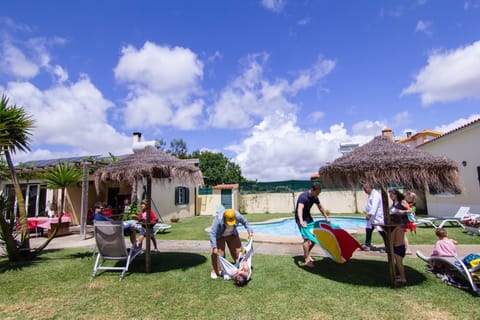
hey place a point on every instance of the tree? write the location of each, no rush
(162, 144)
(178, 148)
(63, 176)
(15, 135)
(217, 169)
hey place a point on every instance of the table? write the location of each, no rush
(49, 224)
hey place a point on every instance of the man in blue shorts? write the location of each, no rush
(303, 216)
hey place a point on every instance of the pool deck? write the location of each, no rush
(272, 245)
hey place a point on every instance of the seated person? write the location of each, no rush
(98, 214)
(128, 228)
(142, 218)
(444, 247)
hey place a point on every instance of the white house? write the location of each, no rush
(461, 145)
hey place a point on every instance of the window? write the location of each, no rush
(181, 195)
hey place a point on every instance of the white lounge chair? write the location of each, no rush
(455, 264)
(110, 245)
(462, 213)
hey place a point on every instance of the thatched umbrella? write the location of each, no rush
(384, 163)
(149, 163)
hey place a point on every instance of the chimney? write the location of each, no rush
(139, 145)
(137, 137)
(387, 133)
(409, 134)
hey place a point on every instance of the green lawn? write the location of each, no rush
(57, 286)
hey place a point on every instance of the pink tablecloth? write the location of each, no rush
(44, 222)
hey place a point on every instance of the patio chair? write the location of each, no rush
(160, 227)
(453, 269)
(462, 213)
(110, 246)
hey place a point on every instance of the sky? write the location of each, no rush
(275, 85)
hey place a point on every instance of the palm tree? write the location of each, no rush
(15, 135)
(6, 227)
(63, 176)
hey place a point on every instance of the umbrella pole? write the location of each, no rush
(148, 262)
(388, 232)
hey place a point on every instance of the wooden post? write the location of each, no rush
(84, 203)
(148, 262)
(388, 232)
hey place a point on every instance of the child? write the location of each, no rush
(399, 249)
(444, 247)
(142, 219)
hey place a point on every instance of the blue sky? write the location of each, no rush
(276, 85)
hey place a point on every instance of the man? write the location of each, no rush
(128, 229)
(374, 215)
(224, 232)
(303, 217)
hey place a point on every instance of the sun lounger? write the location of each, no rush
(454, 266)
(440, 222)
(110, 244)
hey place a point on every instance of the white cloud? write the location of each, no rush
(367, 128)
(424, 26)
(278, 149)
(274, 5)
(471, 5)
(250, 97)
(317, 115)
(163, 81)
(70, 117)
(304, 21)
(457, 123)
(401, 118)
(449, 76)
(26, 59)
(14, 62)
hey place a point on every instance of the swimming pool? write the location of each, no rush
(288, 227)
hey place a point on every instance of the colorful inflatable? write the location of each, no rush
(336, 242)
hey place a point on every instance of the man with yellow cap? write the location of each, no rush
(224, 232)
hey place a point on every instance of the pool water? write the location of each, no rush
(288, 227)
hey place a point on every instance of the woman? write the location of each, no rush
(400, 206)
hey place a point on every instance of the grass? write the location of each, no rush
(57, 286)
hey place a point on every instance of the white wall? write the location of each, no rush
(334, 201)
(163, 194)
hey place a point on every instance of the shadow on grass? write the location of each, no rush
(166, 261)
(362, 272)
(6, 265)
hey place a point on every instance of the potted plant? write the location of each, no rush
(175, 218)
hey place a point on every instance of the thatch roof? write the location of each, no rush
(383, 162)
(149, 162)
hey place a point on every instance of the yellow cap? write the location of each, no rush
(229, 216)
